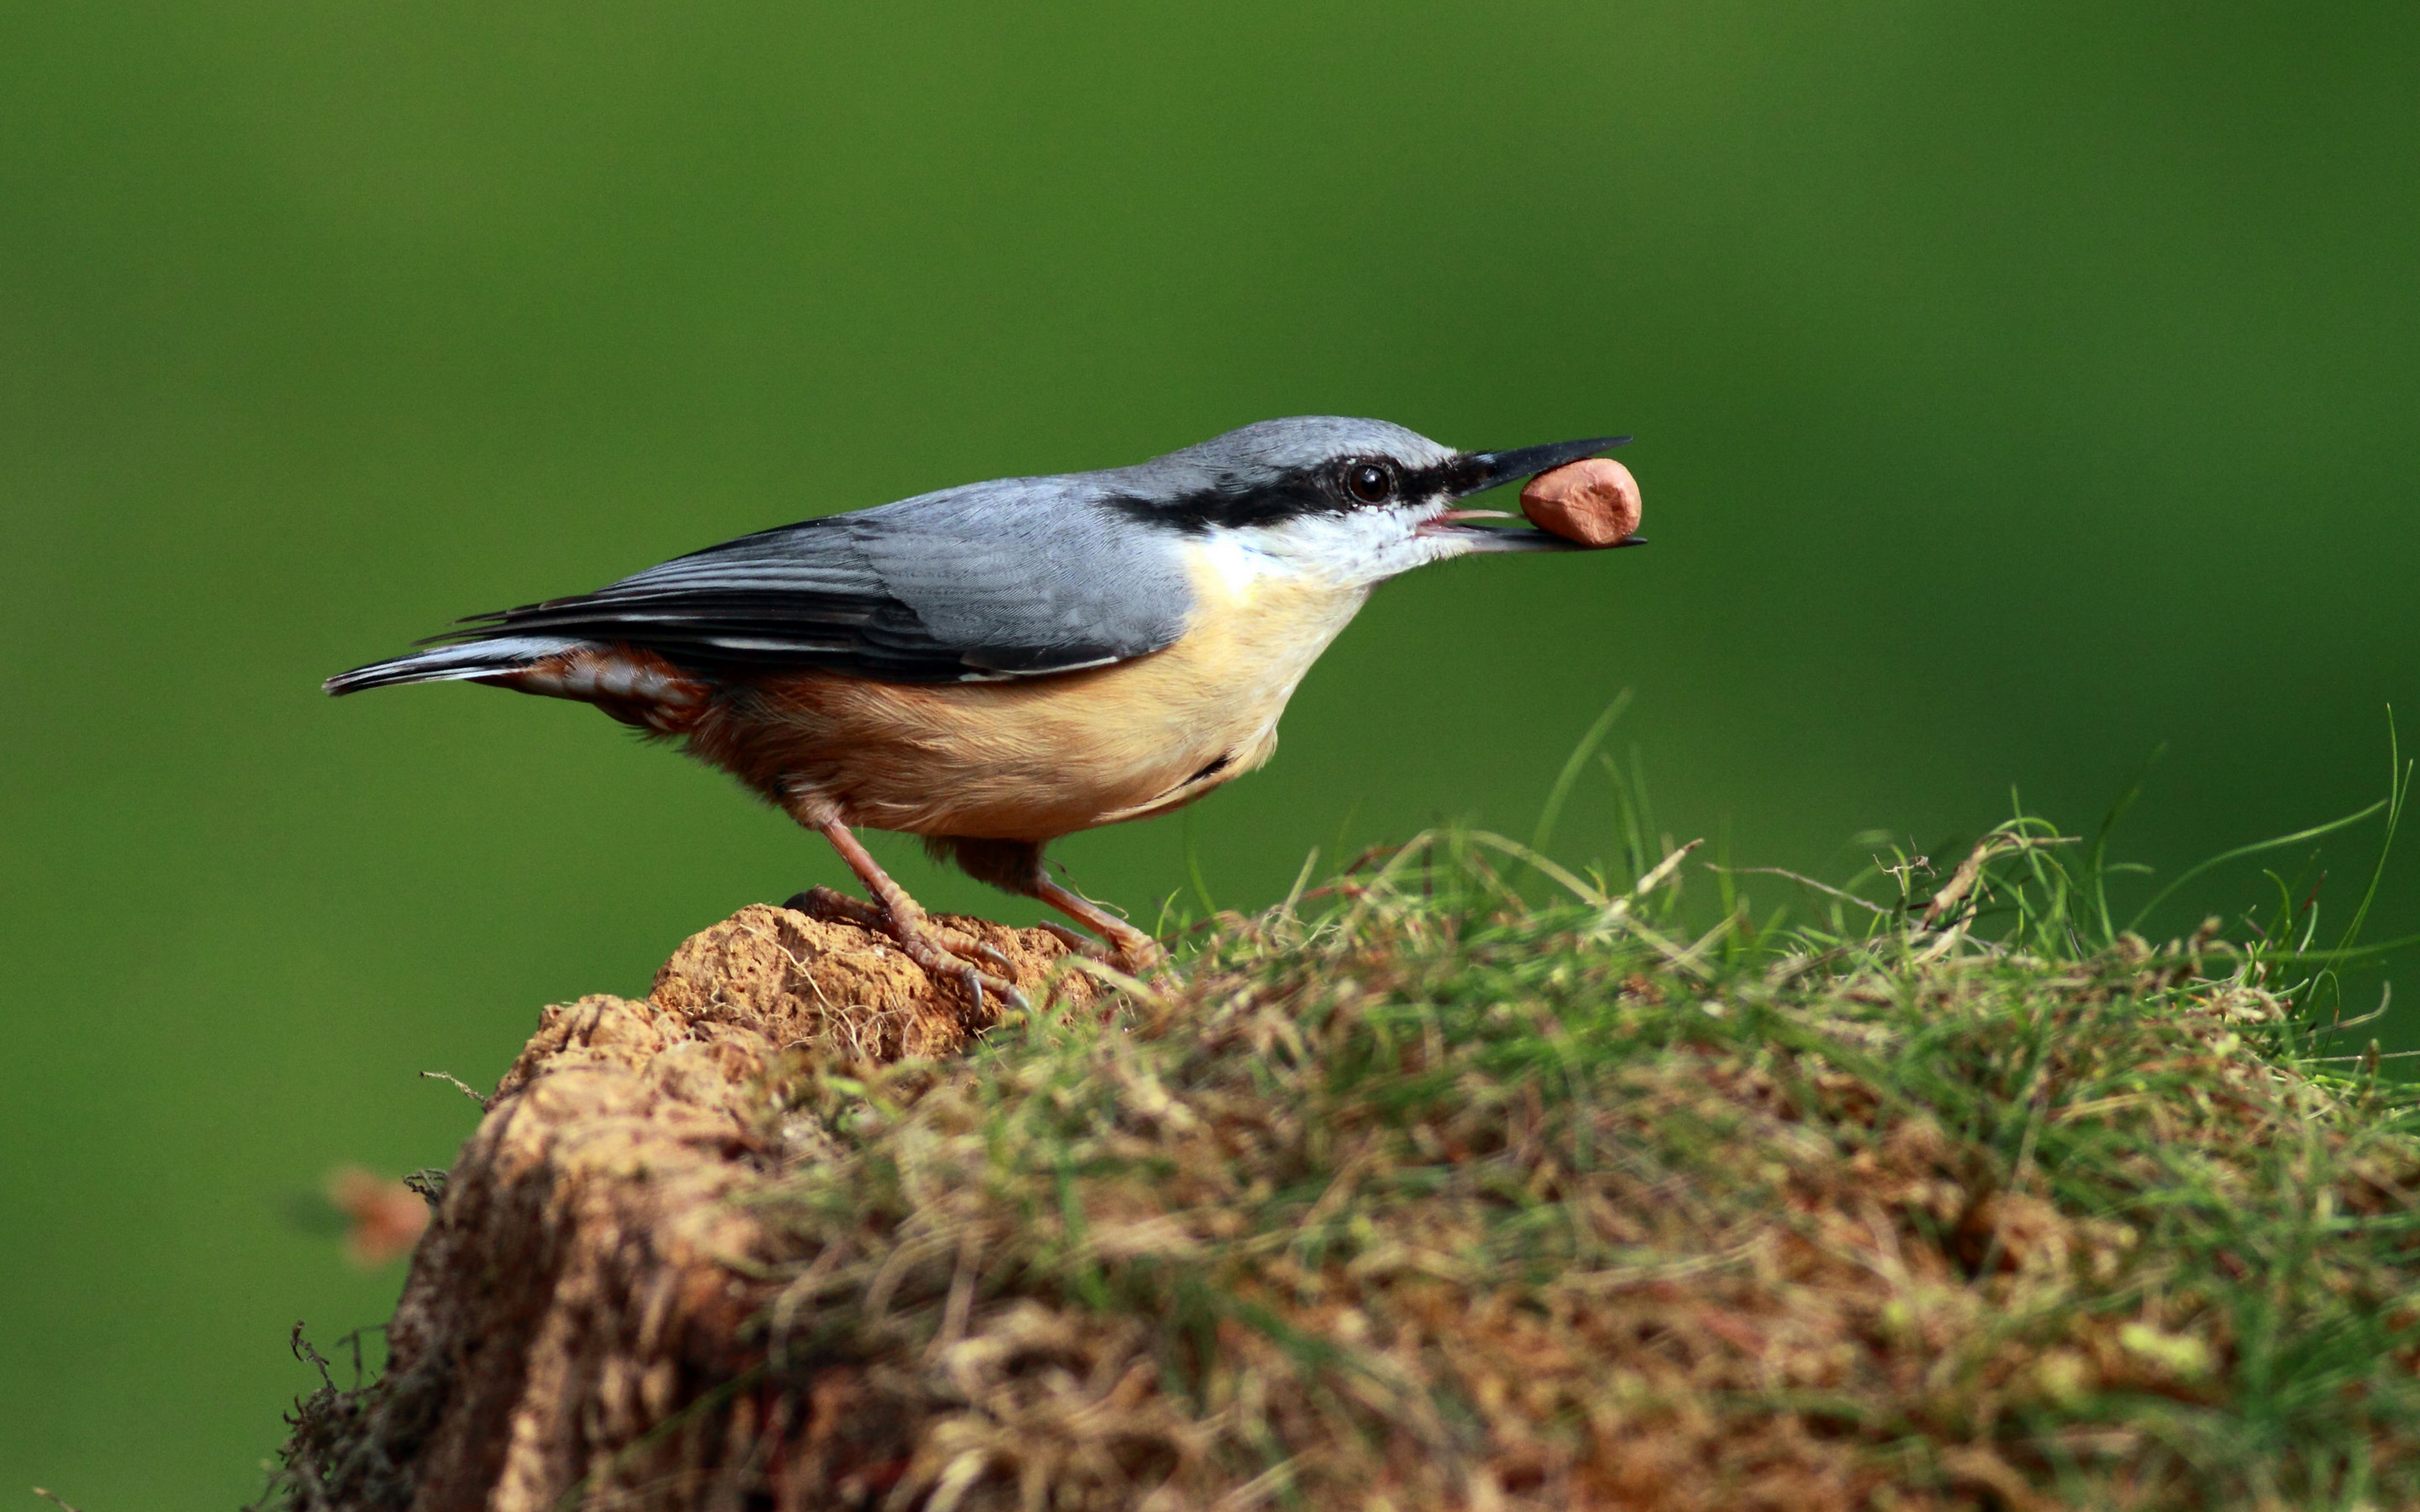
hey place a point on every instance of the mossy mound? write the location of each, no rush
(1443, 1199)
(1421, 1193)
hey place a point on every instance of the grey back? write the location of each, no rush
(1014, 578)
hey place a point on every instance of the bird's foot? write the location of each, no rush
(1130, 949)
(1134, 957)
(943, 952)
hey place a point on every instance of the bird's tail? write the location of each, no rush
(480, 659)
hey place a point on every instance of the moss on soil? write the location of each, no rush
(1419, 1192)
(1433, 1197)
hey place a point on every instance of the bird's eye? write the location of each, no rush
(1369, 482)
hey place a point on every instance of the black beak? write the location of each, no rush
(1481, 470)
(1477, 472)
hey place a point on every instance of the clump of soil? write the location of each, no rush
(594, 1264)
(1433, 1198)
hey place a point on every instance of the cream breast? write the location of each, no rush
(1039, 758)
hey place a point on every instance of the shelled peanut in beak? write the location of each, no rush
(1594, 502)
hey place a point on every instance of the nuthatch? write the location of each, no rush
(994, 666)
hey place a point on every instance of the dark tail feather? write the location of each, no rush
(451, 664)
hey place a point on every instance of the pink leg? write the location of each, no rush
(1132, 949)
(1015, 866)
(934, 947)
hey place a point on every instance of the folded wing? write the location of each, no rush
(1014, 578)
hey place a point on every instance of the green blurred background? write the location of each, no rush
(2017, 388)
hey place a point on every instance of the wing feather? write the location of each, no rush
(1022, 577)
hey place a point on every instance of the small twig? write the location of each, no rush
(1662, 872)
(1905, 873)
(460, 1086)
(304, 1351)
(2368, 1058)
(1970, 870)
(54, 1498)
(1618, 910)
(430, 1183)
(1371, 856)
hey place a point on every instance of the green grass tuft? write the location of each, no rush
(1421, 1192)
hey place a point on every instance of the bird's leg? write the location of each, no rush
(937, 947)
(820, 901)
(1130, 949)
(1015, 866)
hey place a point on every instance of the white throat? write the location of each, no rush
(1357, 550)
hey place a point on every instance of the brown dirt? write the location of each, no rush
(593, 1264)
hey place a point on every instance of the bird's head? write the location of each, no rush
(1358, 501)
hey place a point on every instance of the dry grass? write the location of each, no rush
(1422, 1195)
(1420, 1192)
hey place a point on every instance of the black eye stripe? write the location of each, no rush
(1313, 490)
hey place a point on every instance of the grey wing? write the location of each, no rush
(1016, 578)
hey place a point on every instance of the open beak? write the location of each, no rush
(1483, 471)
(1477, 472)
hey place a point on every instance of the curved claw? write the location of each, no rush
(959, 943)
(975, 983)
(930, 945)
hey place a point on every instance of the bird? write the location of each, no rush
(994, 666)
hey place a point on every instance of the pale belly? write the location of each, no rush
(1035, 759)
